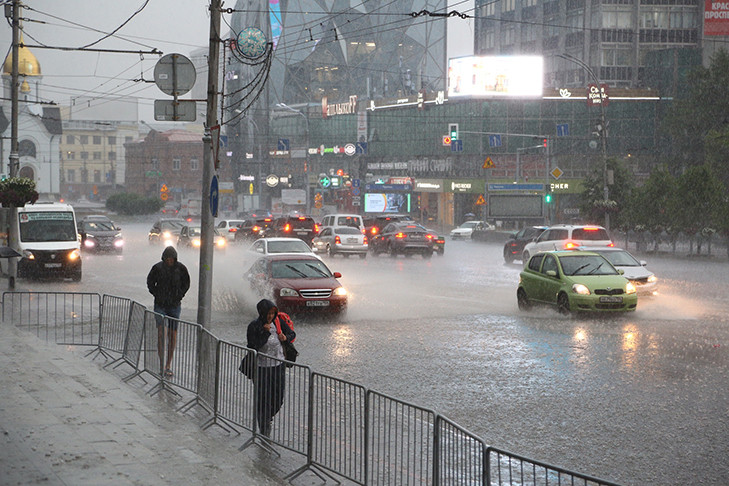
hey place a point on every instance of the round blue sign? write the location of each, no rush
(251, 42)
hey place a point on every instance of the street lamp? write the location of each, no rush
(306, 152)
(602, 128)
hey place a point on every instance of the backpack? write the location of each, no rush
(285, 318)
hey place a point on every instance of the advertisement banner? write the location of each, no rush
(716, 18)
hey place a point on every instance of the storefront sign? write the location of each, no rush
(596, 95)
(428, 185)
(346, 108)
(465, 185)
(716, 17)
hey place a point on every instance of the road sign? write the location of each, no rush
(350, 149)
(361, 147)
(164, 196)
(446, 140)
(456, 145)
(495, 140)
(516, 187)
(325, 181)
(356, 182)
(283, 144)
(356, 191)
(214, 196)
(563, 129)
(556, 172)
(171, 110)
(318, 204)
(174, 74)
(480, 201)
(488, 163)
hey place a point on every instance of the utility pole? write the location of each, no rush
(207, 221)
(13, 233)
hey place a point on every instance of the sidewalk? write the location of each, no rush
(66, 421)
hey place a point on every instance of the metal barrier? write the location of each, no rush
(60, 317)
(339, 426)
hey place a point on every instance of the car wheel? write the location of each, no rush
(76, 276)
(563, 304)
(508, 257)
(427, 254)
(391, 251)
(522, 300)
(525, 257)
(441, 252)
(362, 256)
(330, 253)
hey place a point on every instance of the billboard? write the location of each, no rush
(515, 206)
(716, 18)
(506, 76)
(386, 203)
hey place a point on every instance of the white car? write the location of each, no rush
(277, 246)
(645, 282)
(465, 231)
(228, 228)
(567, 237)
(342, 240)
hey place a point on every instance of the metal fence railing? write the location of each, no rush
(342, 429)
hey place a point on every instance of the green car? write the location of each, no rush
(573, 282)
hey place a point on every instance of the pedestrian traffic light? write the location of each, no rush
(453, 131)
(548, 198)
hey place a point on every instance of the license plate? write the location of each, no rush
(351, 240)
(611, 300)
(317, 303)
(54, 265)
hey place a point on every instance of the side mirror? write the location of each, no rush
(643, 263)
(513, 236)
(621, 271)
(337, 275)
(551, 273)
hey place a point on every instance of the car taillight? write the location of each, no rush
(316, 228)
(373, 231)
(429, 236)
(232, 230)
(256, 229)
(570, 245)
(401, 236)
(337, 240)
(611, 244)
(301, 218)
(287, 228)
(591, 229)
(364, 240)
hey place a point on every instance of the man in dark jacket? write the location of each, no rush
(168, 281)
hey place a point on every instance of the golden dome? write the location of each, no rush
(28, 65)
(25, 87)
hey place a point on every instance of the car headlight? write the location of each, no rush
(629, 288)
(220, 242)
(89, 243)
(195, 243)
(340, 291)
(287, 292)
(166, 234)
(580, 289)
(652, 279)
(28, 254)
(119, 243)
(74, 255)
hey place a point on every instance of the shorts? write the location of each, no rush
(170, 311)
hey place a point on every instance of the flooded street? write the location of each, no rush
(637, 399)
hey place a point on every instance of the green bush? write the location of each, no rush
(131, 204)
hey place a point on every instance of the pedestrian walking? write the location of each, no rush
(168, 281)
(264, 337)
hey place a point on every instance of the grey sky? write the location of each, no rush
(168, 25)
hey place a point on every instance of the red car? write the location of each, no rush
(298, 283)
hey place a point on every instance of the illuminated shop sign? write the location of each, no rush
(502, 76)
(420, 100)
(346, 108)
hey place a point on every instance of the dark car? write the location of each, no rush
(438, 242)
(517, 241)
(375, 224)
(99, 234)
(302, 227)
(166, 231)
(252, 228)
(298, 283)
(404, 238)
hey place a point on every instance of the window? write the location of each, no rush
(155, 164)
(488, 10)
(536, 261)
(97, 176)
(549, 264)
(112, 140)
(128, 139)
(26, 148)
(70, 155)
(97, 156)
(97, 140)
(509, 35)
(112, 155)
(194, 164)
(69, 139)
(528, 3)
(83, 139)
(616, 19)
(84, 155)
(71, 175)
(488, 39)
(508, 5)
(616, 56)
(176, 163)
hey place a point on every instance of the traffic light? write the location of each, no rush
(545, 142)
(548, 197)
(453, 131)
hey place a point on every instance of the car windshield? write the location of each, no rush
(586, 265)
(346, 230)
(293, 246)
(47, 226)
(100, 226)
(620, 258)
(174, 225)
(348, 221)
(299, 269)
(306, 223)
(193, 231)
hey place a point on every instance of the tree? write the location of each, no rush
(128, 203)
(700, 201)
(704, 108)
(592, 200)
(653, 204)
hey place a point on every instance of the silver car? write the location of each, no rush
(341, 240)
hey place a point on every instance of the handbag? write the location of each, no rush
(246, 367)
(290, 353)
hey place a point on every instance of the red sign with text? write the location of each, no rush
(716, 18)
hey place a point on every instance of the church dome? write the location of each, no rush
(28, 65)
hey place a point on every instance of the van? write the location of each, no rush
(353, 220)
(48, 242)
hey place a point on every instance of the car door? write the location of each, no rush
(550, 283)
